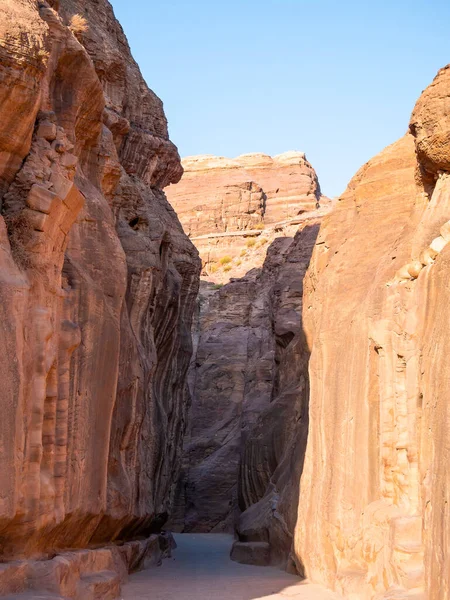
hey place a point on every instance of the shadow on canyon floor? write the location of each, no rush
(201, 569)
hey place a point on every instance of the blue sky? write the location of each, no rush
(337, 80)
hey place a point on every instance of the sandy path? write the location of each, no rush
(200, 569)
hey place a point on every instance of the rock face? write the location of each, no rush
(97, 286)
(374, 495)
(230, 208)
(248, 420)
(249, 389)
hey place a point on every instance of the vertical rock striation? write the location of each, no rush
(246, 329)
(247, 424)
(373, 511)
(97, 285)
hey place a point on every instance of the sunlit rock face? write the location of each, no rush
(233, 209)
(288, 181)
(97, 285)
(373, 515)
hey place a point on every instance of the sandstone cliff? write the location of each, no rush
(97, 284)
(245, 331)
(248, 382)
(233, 209)
(373, 512)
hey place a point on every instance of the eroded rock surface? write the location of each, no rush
(233, 209)
(97, 286)
(243, 453)
(249, 389)
(373, 516)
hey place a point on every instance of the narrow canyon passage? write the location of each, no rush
(200, 569)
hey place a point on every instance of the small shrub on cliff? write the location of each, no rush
(250, 243)
(42, 54)
(238, 263)
(259, 226)
(227, 268)
(19, 232)
(225, 260)
(263, 241)
(243, 252)
(78, 24)
(213, 268)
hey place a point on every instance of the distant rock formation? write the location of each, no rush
(97, 287)
(233, 209)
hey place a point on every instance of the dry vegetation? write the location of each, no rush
(78, 24)
(19, 233)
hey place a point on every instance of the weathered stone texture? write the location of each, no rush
(97, 286)
(372, 516)
(289, 182)
(233, 209)
(249, 408)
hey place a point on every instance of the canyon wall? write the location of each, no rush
(233, 209)
(373, 513)
(97, 282)
(248, 375)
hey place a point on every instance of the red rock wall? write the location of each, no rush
(373, 515)
(247, 428)
(97, 284)
(233, 209)
(288, 180)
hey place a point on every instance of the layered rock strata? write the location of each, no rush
(231, 208)
(373, 511)
(97, 285)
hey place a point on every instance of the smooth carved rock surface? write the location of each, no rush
(233, 209)
(373, 511)
(97, 287)
(248, 420)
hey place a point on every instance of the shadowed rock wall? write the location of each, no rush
(247, 424)
(248, 421)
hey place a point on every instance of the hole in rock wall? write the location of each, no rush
(134, 223)
(285, 339)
